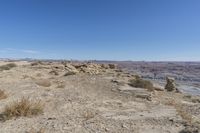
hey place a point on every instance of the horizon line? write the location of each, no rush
(98, 60)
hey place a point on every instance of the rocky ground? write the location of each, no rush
(88, 98)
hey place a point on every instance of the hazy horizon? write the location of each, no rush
(100, 30)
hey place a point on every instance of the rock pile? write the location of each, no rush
(90, 68)
(170, 86)
(75, 67)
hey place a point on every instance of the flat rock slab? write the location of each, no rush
(157, 112)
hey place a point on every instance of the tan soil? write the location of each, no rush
(100, 101)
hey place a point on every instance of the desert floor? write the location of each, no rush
(98, 101)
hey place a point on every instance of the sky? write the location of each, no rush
(138, 30)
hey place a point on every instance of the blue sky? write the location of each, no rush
(101, 29)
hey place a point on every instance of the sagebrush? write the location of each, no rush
(2, 95)
(140, 83)
(7, 66)
(24, 107)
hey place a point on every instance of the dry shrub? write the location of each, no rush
(37, 63)
(43, 82)
(140, 83)
(25, 76)
(61, 85)
(54, 72)
(88, 114)
(112, 66)
(180, 110)
(184, 114)
(189, 130)
(8, 66)
(196, 100)
(38, 75)
(2, 95)
(34, 64)
(25, 107)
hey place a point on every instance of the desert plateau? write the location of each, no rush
(88, 97)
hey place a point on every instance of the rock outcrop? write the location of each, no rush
(76, 67)
(92, 68)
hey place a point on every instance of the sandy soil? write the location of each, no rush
(88, 103)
